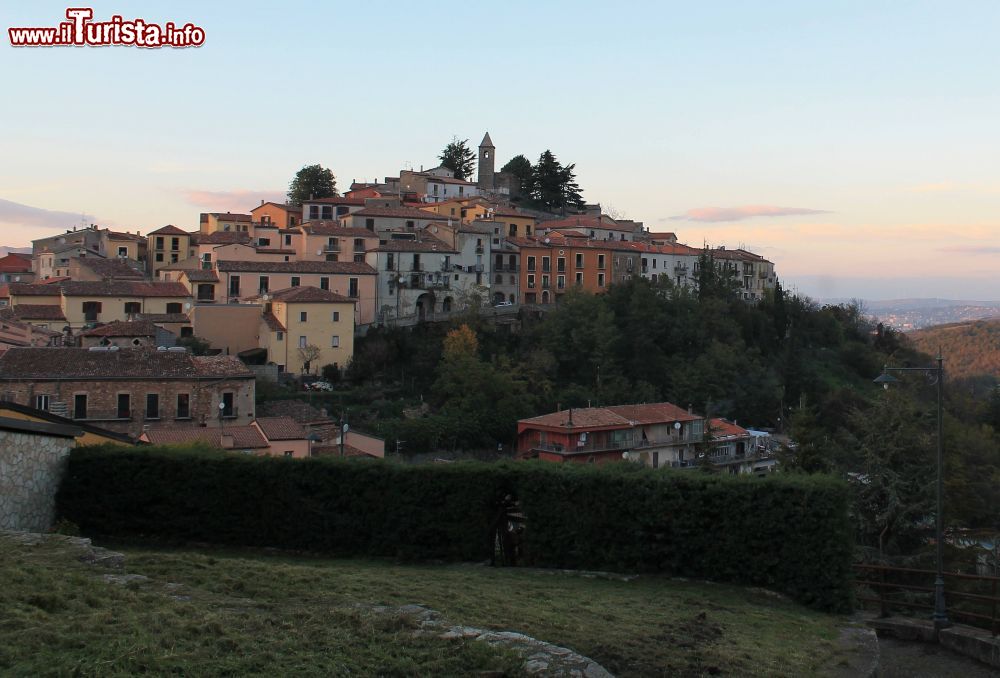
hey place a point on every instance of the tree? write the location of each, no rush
(311, 182)
(459, 158)
(196, 345)
(307, 354)
(554, 187)
(520, 168)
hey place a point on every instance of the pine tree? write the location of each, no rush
(554, 186)
(459, 158)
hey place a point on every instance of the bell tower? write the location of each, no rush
(486, 160)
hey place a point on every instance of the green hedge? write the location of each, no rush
(785, 532)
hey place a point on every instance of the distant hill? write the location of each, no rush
(915, 314)
(970, 349)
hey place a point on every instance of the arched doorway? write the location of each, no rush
(512, 298)
(425, 306)
(545, 296)
(446, 305)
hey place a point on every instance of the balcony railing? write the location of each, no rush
(479, 249)
(230, 413)
(104, 415)
(506, 269)
(589, 446)
(546, 284)
(417, 266)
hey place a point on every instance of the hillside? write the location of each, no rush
(970, 349)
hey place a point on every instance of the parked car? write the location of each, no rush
(503, 304)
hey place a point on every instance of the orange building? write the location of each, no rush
(277, 214)
(551, 266)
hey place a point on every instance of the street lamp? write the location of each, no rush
(936, 374)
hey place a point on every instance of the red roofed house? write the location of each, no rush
(89, 302)
(16, 267)
(267, 436)
(657, 434)
(279, 215)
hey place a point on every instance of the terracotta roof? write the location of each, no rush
(306, 294)
(653, 413)
(29, 290)
(223, 238)
(723, 428)
(110, 268)
(664, 235)
(335, 228)
(333, 450)
(423, 243)
(228, 216)
(142, 364)
(448, 180)
(38, 312)
(15, 263)
(281, 428)
(282, 206)
(169, 229)
(201, 275)
(270, 250)
(568, 233)
(244, 437)
(332, 267)
(273, 323)
(131, 237)
(164, 317)
(335, 200)
(119, 328)
(584, 417)
(123, 288)
(300, 411)
(401, 213)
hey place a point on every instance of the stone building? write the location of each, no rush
(128, 389)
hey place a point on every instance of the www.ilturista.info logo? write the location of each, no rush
(81, 31)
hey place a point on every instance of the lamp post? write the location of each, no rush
(936, 373)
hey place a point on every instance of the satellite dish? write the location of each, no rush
(677, 425)
(624, 455)
(346, 428)
(402, 279)
(547, 241)
(187, 305)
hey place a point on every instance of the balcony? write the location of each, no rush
(763, 275)
(105, 415)
(479, 249)
(332, 249)
(230, 413)
(417, 267)
(546, 285)
(591, 446)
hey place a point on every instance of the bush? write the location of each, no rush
(790, 533)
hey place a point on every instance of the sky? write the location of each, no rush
(854, 144)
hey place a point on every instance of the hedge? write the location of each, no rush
(785, 532)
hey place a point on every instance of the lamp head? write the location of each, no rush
(885, 379)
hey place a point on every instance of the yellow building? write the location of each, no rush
(296, 319)
(167, 245)
(89, 302)
(210, 222)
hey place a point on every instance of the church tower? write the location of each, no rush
(486, 159)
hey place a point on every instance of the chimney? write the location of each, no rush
(226, 441)
(262, 201)
(690, 409)
(570, 424)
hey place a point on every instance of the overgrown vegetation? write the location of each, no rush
(240, 613)
(787, 533)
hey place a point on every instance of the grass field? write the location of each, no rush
(210, 612)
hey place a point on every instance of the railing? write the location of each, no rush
(546, 284)
(506, 269)
(902, 587)
(587, 447)
(230, 413)
(104, 415)
(418, 267)
(331, 248)
(479, 249)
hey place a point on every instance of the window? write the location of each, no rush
(303, 316)
(353, 288)
(579, 278)
(324, 283)
(80, 406)
(234, 286)
(174, 307)
(359, 258)
(531, 281)
(228, 405)
(288, 238)
(512, 231)
(327, 212)
(175, 244)
(416, 263)
(173, 258)
(370, 224)
(123, 252)
(152, 406)
(359, 244)
(91, 311)
(579, 260)
(280, 336)
(531, 263)
(561, 264)
(546, 264)
(289, 453)
(335, 341)
(124, 410)
(42, 403)
(545, 282)
(333, 244)
(206, 292)
(264, 284)
(390, 261)
(336, 316)
(314, 211)
(159, 243)
(159, 256)
(527, 229)
(296, 281)
(409, 223)
(561, 282)
(302, 342)
(600, 261)
(600, 280)
(132, 307)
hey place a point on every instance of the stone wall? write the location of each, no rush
(31, 467)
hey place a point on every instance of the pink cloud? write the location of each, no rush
(231, 201)
(720, 214)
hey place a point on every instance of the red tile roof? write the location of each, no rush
(273, 323)
(723, 428)
(281, 206)
(110, 268)
(424, 242)
(15, 263)
(130, 237)
(200, 274)
(169, 229)
(228, 216)
(224, 238)
(139, 364)
(38, 312)
(164, 317)
(333, 450)
(29, 290)
(654, 413)
(306, 294)
(336, 200)
(119, 328)
(331, 267)
(583, 417)
(244, 437)
(123, 288)
(281, 428)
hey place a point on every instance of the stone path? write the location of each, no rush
(905, 658)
